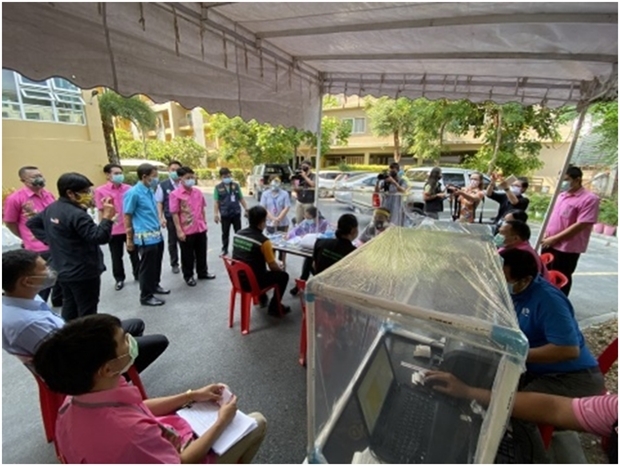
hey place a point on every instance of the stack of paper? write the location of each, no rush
(202, 416)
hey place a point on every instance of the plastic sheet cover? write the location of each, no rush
(430, 268)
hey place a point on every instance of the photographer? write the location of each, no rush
(391, 186)
(434, 194)
(304, 189)
(511, 199)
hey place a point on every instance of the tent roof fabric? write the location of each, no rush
(272, 61)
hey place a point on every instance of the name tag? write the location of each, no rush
(233, 198)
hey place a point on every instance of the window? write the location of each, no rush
(54, 100)
(370, 181)
(357, 125)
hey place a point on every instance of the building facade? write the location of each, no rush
(50, 124)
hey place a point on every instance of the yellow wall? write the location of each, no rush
(55, 148)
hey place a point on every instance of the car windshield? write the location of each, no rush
(277, 169)
(357, 178)
(417, 175)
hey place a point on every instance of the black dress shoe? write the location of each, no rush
(119, 285)
(191, 282)
(263, 300)
(175, 269)
(208, 276)
(276, 312)
(160, 290)
(152, 301)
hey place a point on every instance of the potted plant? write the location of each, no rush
(608, 216)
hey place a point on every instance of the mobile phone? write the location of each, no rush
(511, 179)
(226, 396)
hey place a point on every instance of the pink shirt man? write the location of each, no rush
(190, 204)
(116, 192)
(578, 207)
(21, 206)
(115, 427)
(526, 246)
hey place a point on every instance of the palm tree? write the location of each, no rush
(113, 105)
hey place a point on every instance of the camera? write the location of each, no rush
(297, 175)
(383, 175)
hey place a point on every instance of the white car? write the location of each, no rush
(327, 180)
(356, 187)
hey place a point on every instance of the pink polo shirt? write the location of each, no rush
(22, 205)
(526, 246)
(190, 204)
(116, 192)
(115, 427)
(597, 414)
(578, 207)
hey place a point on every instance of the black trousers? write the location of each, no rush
(150, 347)
(280, 279)
(149, 273)
(194, 254)
(56, 290)
(117, 248)
(80, 298)
(173, 241)
(306, 269)
(226, 223)
(566, 263)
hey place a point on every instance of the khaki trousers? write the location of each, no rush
(246, 448)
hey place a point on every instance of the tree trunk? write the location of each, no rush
(396, 147)
(498, 139)
(108, 129)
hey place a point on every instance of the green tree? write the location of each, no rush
(241, 141)
(606, 127)
(512, 136)
(113, 105)
(392, 117)
(184, 149)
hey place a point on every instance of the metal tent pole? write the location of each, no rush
(569, 155)
(318, 153)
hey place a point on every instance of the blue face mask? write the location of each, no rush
(227, 180)
(499, 240)
(401, 173)
(189, 183)
(118, 179)
(154, 183)
(565, 186)
(173, 176)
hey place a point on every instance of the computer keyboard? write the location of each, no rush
(410, 418)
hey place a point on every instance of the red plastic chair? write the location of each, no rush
(605, 360)
(303, 338)
(235, 268)
(546, 258)
(557, 279)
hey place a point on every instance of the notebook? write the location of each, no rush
(201, 416)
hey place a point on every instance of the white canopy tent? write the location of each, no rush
(273, 61)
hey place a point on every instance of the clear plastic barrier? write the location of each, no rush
(409, 301)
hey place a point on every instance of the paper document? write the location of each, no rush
(364, 457)
(201, 416)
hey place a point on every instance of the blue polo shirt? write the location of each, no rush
(25, 323)
(139, 202)
(547, 316)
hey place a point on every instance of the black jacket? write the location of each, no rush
(73, 238)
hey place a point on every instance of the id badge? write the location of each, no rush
(233, 198)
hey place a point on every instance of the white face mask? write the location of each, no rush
(515, 190)
(133, 353)
(49, 280)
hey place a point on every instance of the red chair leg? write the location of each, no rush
(246, 307)
(231, 309)
(546, 432)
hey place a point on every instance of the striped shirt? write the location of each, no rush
(597, 414)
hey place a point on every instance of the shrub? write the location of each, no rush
(608, 213)
(206, 174)
(539, 202)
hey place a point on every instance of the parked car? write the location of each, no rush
(344, 193)
(327, 180)
(262, 175)
(416, 179)
(345, 176)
